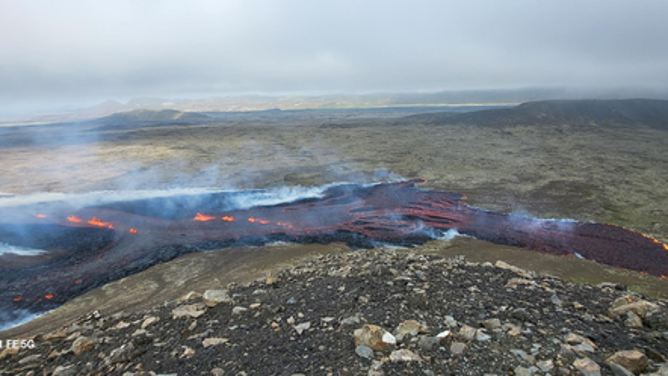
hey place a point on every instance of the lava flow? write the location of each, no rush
(110, 242)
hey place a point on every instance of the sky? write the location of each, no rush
(57, 53)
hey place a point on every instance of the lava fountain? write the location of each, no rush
(105, 243)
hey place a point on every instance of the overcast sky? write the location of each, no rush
(81, 52)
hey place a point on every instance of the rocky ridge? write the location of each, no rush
(376, 312)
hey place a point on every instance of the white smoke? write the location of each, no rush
(449, 235)
(19, 251)
(23, 317)
(242, 201)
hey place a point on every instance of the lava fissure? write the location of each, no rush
(105, 243)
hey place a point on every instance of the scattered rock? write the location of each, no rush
(633, 360)
(404, 355)
(428, 343)
(587, 367)
(121, 325)
(451, 322)
(457, 348)
(444, 335)
(124, 353)
(83, 344)
(302, 327)
(520, 353)
(481, 336)
(189, 296)
(364, 352)
(213, 342)
(633, 304)
(658, 319)
(556, 300)
(55, 335)
(574, 339)
(214, 297)
(523, 371)
(187, 353)
(618, 370)
(633, 320)
(467, 333)
(9, 351)
(374, 337)
(351, 320)
(491, 324)
(545, 365)
(655, 355)
(69, 370)
(545, 337)
(239, 311)
(139, 332)
(217, 372)
(31, 359)
(409, 327)
(191, 310)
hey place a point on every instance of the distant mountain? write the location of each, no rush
(145, 117)
(106, 107)
(649, 112)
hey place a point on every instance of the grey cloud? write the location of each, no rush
(86, 51)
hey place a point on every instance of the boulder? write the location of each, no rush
(83, 344)
(214, 297)
(629, 303)
(373, 336)
(633, 360)
(409, 327)
(587, 367)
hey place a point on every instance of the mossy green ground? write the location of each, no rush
(587, 173)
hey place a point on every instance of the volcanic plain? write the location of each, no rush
(548, 161)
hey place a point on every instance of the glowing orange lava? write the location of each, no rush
(228, 218)
(41, 216)
(97, 222)
(133, 231)
(18, 299)
(203, 218)
(49, 296)
(257, 220)
(77, 282)
(74, 219)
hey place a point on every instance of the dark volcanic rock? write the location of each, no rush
(333, 296)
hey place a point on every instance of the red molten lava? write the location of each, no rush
(98, 223)
(260, 221)
(203, 218)
(361, 216)
(74, 219)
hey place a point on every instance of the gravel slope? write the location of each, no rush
(370, 312)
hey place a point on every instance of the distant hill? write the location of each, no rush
(104, 108)
(149, 117)
(649, 112)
